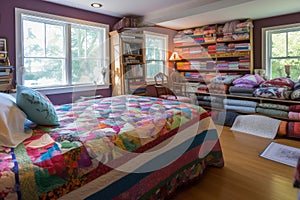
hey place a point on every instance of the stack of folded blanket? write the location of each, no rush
(293, 130)
(211, 101)
(283, 128)
(245, 85)
(202, 88)
(278, 88)
(241, 91)
(271, 109)
(240, 105)
(220, 84)
(294, 112)
(296, 92)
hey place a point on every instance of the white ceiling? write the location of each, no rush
(180, 14)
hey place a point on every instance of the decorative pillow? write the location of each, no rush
(12, 120)
(36, 106)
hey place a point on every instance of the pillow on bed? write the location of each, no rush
(36, 106)
(12, 120)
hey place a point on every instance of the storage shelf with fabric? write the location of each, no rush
(220, 48)
(288, 111)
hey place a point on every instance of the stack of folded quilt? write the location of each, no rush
(278, 88)
(220, 84)
(211, 101)
(271, 109)
(240, 105)
(245, 85)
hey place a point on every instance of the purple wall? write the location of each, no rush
(268, 22)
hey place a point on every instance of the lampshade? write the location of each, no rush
(175, 57)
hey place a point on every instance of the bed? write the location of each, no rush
(122, 147)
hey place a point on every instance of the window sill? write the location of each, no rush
(70, 89)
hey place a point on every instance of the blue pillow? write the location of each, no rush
(36, 106)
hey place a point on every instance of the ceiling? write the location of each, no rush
(181, 14)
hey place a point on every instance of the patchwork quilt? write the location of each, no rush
(123, 147)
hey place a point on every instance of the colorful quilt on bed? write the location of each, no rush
(124, 147)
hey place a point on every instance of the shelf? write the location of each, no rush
(196, 45)
(256, 113)
(213, 70)
(6, 67)
(233, 41)
(211, 43)
(133, 63)
(252, 98)
(134, 55)
(135, 77)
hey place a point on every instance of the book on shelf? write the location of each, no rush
(4, 73)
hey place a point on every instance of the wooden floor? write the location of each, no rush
(245, 176)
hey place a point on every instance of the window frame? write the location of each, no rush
(66, 88)
(267, 48)
(165, 61)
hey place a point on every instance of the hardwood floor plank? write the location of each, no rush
(245, 175)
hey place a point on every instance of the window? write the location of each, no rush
(282, 47)
(60, 52)
(156, 54)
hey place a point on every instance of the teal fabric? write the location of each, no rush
(36, 106)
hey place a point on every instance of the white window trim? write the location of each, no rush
(165, 68)
(265, 62)
(18, 47)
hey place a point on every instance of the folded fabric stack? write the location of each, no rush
(293, 130)
(278, 88)
(296, 92)
(283, 128)
(202, 88)
(245, 86)
(220, 84)
(294, 112)
(211, 101)
(271, 109)
(224, 117)
(240, 105)
(241, 91)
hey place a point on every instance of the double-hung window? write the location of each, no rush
(282, 47)
(59, 52)
(156, 54)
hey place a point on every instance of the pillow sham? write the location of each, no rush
(12, 120)
(36, 106)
